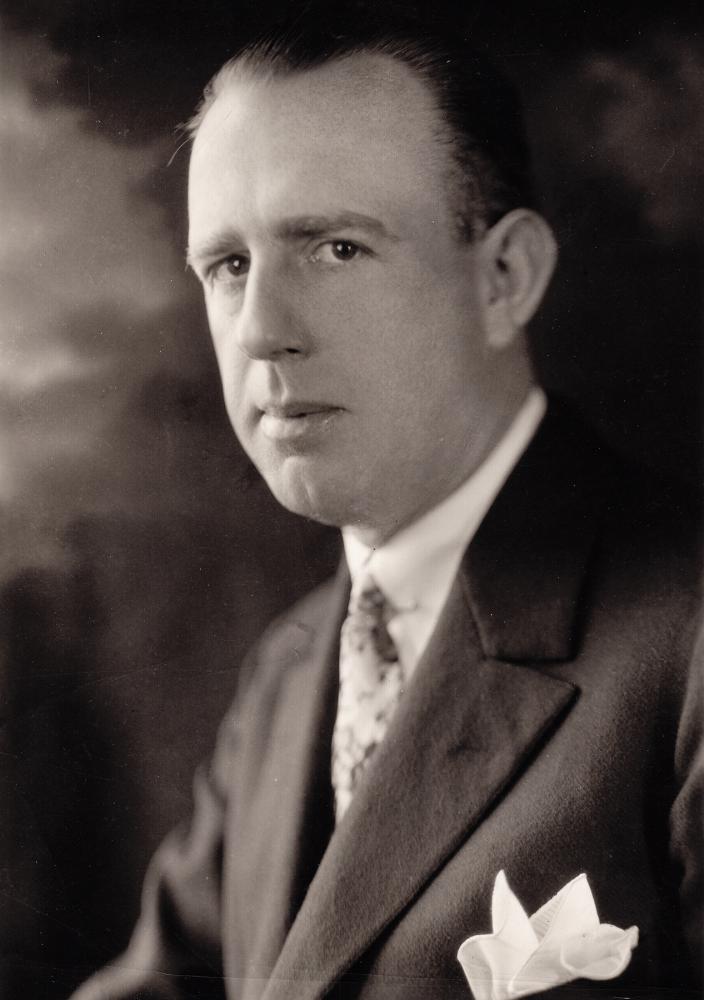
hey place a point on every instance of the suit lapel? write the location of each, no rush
(470, 722)
(293, 785)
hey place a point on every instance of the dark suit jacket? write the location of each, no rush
(553, 726)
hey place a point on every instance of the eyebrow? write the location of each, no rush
(217, 246)
(296, 228)
(322, 225)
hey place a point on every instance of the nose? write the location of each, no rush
(268, 324)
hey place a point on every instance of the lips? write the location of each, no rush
(295, 410)
(297, 420)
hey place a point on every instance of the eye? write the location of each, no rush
(230, 269)
(337, 251)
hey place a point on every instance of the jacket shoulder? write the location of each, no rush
(654, 526)
(292, 635)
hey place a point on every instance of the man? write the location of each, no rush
(515, 690)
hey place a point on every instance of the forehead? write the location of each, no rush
(364, 129)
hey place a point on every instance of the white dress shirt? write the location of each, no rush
(416, 567)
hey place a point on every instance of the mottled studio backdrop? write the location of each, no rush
(139, 554)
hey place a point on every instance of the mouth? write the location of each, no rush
(296, 419)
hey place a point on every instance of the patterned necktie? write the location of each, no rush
(371, 684)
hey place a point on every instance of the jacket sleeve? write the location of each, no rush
(175, 950)
(687, 816)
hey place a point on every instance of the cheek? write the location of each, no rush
(219, 323)
(391, 342)
(375, 325)
(224, 344)
(231, 366)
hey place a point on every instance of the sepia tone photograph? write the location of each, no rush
(351, 493)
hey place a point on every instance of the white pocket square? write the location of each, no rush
(561, 942)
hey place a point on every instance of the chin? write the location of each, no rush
(316, 498)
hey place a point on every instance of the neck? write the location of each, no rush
(485, 440)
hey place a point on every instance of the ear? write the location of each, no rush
(519, 254)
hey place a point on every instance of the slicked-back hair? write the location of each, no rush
(480, 116)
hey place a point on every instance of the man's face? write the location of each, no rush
(346, 311)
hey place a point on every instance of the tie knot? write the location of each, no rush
(368, 615)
